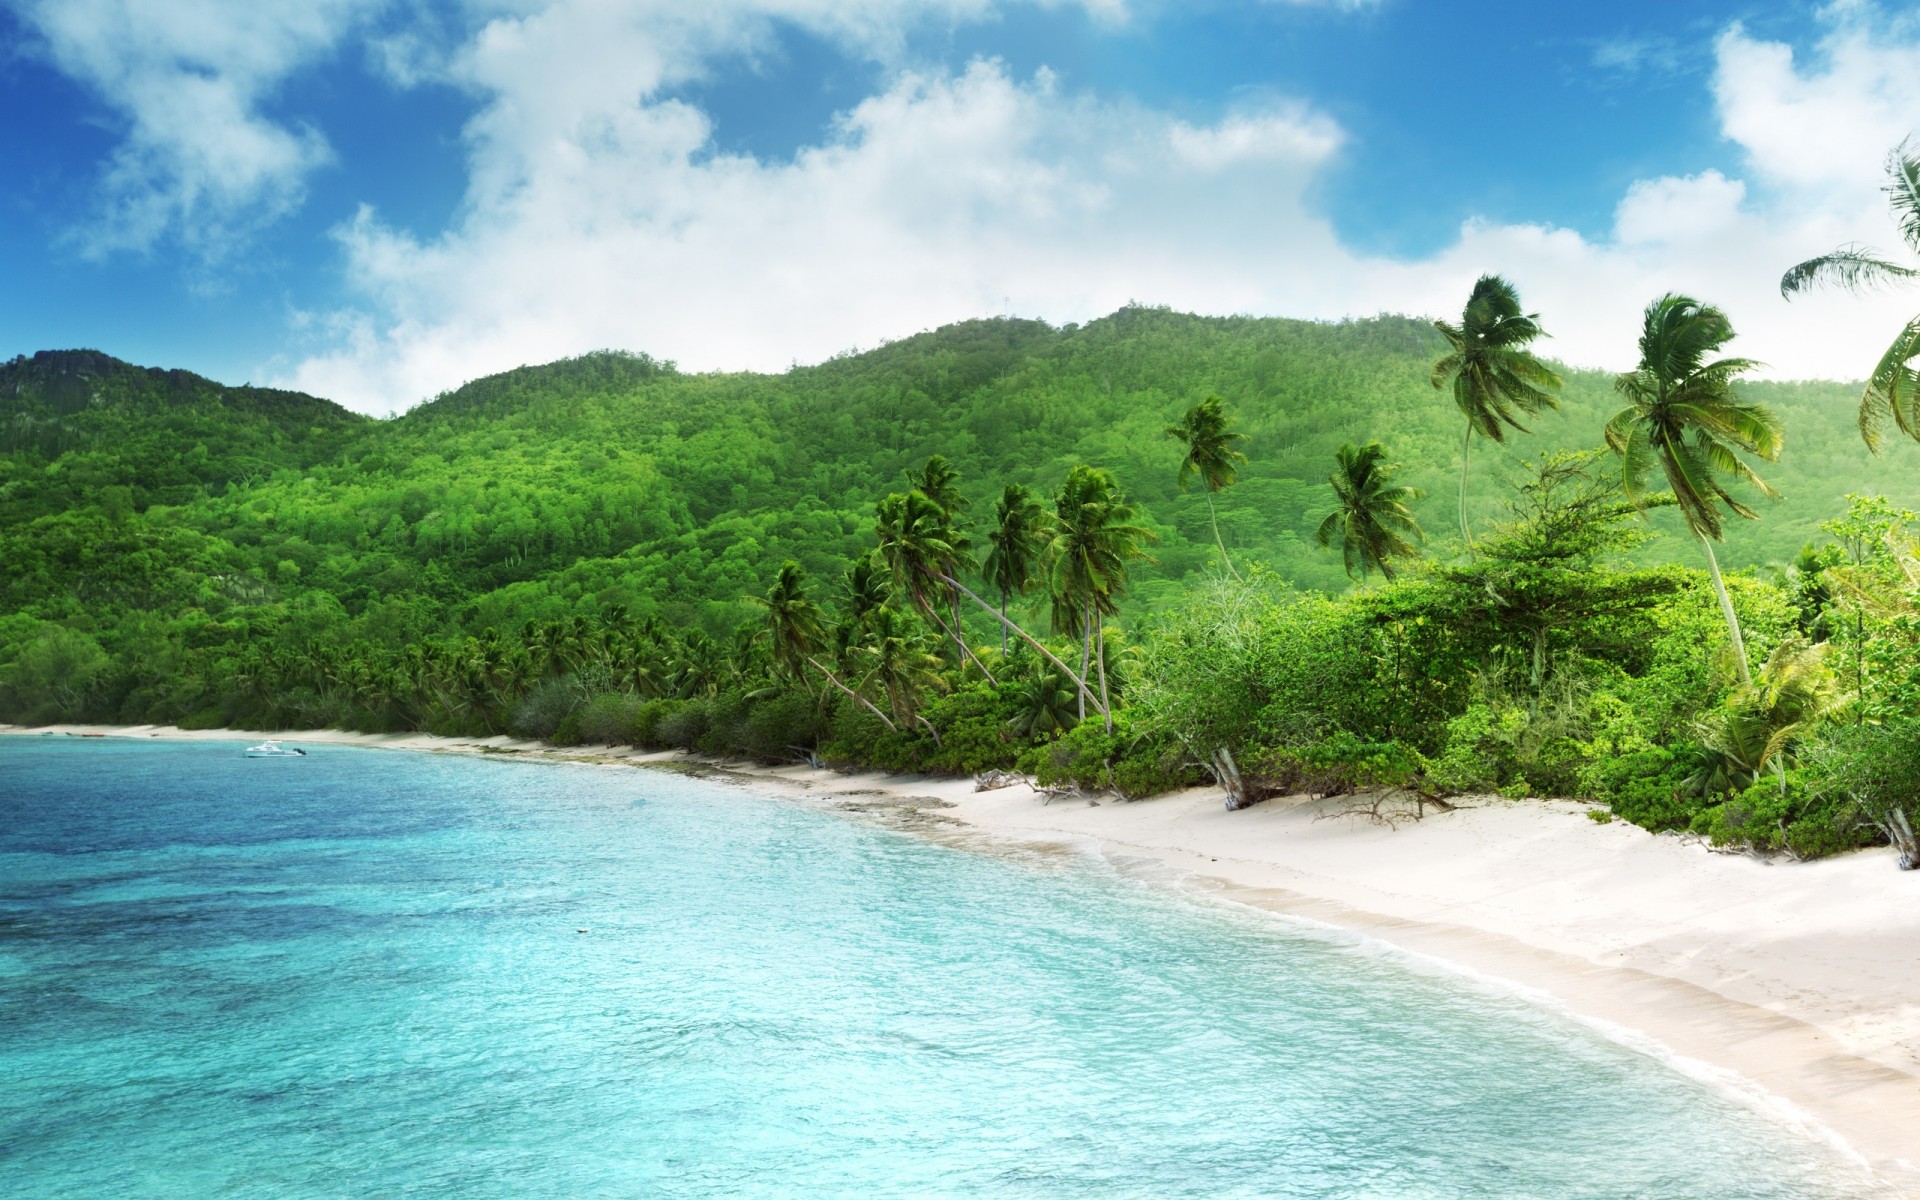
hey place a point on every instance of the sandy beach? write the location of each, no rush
(1796, 984)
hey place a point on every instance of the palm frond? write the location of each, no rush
(1903, 191)
(1893, 390)
(1855, 268)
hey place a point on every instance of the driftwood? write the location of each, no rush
(1376, 805)
(988, 781)
(1060, 789)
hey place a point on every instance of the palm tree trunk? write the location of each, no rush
(1215, 518)
(933, 610)
(1726, 610)
(1078, 680)
(835, 680)
(1086, 651)
(1466, 449)
(1539, 667)
(1002, 614)
(1100, 636)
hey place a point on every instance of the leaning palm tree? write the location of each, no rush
(1013, 548)
(1893, 389)
(915, 546)
(898, 664)
(1094, 540)
(1374, 522)
(922, 550)
(794, 629)
(1494, 378)
(1211, 458)
(865, 588)
(1682, 415)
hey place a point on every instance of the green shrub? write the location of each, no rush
(974, 731)
(780, 728)
(1129, 760)
(540, 712)
(1482, 748)
(1338, 765)
(683, 727)
(646, 722)
(1796, 819)
(607, 718)
(1647, 787)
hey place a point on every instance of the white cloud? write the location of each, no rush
(600, 217)
(198, 160)
(600, 214)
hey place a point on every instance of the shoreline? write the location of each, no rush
(1795, 985)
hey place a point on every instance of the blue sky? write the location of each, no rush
(378, 199)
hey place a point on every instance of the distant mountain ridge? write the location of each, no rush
(616, 478)
(167, 436)
(71, 381)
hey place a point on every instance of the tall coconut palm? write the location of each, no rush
(924, 553)
(939, 482)
(1211, 458)
(1374, 522)
(794, 628)
(1493, 377)
(1682, 416)
(915, 544)
(1893, 389)
(1093, 542)
(865, 588)
(1013, 548)
(899, 665)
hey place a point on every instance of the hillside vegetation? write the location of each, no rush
(586, 548)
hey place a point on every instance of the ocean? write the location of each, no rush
(379, 973)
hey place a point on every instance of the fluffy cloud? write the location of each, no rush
(938, 199)
(198, 162)
(599, 213)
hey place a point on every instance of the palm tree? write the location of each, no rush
(916, 546)
(1762, 722)
(1013, 554)
(920, 547)
(866, 589)
(794, 628)
(939, 482)
(1682, 414)
(1893, 390)
(1092, 544)
(1494, 378)
(1210, 457)
(1373, 520)
(900, 666)
(1044, 701)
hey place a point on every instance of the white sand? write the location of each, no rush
(1799, 982)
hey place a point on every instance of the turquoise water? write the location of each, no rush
(358, 974)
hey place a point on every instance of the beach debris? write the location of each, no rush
(988, 781)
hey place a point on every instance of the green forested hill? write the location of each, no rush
(79, 428)
(162, 516)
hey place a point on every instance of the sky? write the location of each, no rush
(377, 200)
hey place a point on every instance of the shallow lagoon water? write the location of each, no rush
(360, 973)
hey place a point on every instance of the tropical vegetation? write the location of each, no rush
(1108, 556)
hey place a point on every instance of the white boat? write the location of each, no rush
(273, 749)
